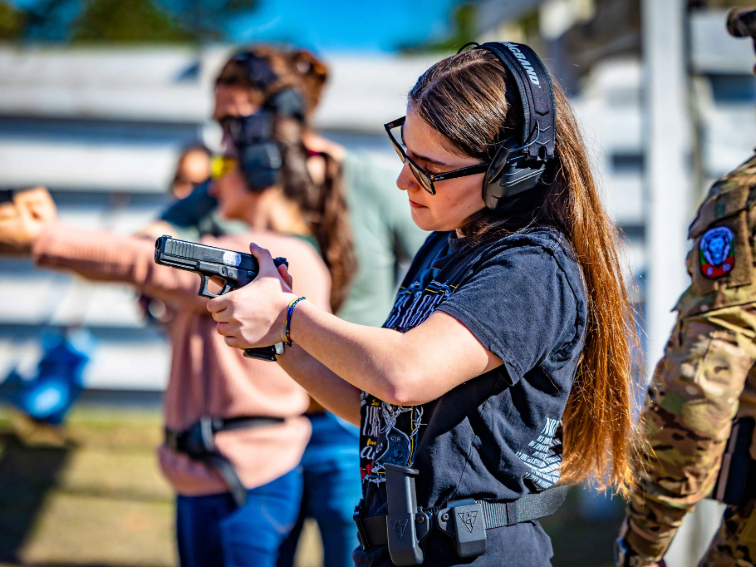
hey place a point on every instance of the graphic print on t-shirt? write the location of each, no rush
(389, 432)
(545, 457)
(415, 304)
(389, 435)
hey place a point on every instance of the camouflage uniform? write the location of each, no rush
(706, 378)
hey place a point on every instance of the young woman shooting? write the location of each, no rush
(504, 366)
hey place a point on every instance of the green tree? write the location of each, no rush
(463, 31)
(717, 4)
(12, 22)
(120, 21)
(207, 19)
(126, 21)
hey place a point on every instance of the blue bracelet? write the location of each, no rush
(289, 311)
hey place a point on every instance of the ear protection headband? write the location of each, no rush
(286, 101)
(519, 164)
(260, 156)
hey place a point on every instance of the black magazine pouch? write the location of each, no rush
(734, 485)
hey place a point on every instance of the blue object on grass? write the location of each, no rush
(54, 388)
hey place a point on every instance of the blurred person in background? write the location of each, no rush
(192, 169)
(700, 410)
(508, 347)
(384, 237)
(240, 494)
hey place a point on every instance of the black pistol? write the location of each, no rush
(234, 268)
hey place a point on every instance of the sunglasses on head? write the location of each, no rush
(426, 180)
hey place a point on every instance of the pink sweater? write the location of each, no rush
(208, 378)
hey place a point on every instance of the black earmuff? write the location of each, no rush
(510, 173)
(519, 164)
(287, 102)
(259, 155)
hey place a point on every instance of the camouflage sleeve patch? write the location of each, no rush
(687, 416)
(721, 260)
(721, 235)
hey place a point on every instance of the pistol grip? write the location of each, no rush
(265, 353)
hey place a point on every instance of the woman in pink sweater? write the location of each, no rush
(238, 496)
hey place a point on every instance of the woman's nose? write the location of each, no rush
(406, 181)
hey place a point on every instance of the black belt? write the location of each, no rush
(197, 442)
(373, 529)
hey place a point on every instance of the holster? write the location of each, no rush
(406, 525)
(197, 442)
(736, 481)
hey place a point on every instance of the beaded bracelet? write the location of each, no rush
(289, 311)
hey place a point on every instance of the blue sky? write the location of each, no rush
(340, 25)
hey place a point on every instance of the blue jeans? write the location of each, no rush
(332, 488)
(212, 531)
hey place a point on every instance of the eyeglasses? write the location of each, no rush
(426, 180)
(222, 165)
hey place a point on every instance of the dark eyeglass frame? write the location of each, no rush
(427, 180)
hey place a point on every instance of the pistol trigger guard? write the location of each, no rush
(203, 291)
(226, 288)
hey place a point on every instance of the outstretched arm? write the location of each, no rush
(402, 369)
(109, 257)
(28, 227)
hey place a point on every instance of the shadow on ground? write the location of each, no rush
(584, 529)
(27, 474)
(89, 493)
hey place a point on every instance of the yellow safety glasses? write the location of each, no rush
(221, 165)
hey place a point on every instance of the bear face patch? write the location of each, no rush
(717, 252)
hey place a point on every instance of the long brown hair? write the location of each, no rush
(323, 204)
(473, 102)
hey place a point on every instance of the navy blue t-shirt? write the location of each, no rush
(497, 436)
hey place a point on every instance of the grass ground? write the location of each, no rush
(93, 496)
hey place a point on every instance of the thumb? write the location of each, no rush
(263, 256)
(284, 271)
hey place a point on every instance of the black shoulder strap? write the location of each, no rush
(536, 93)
